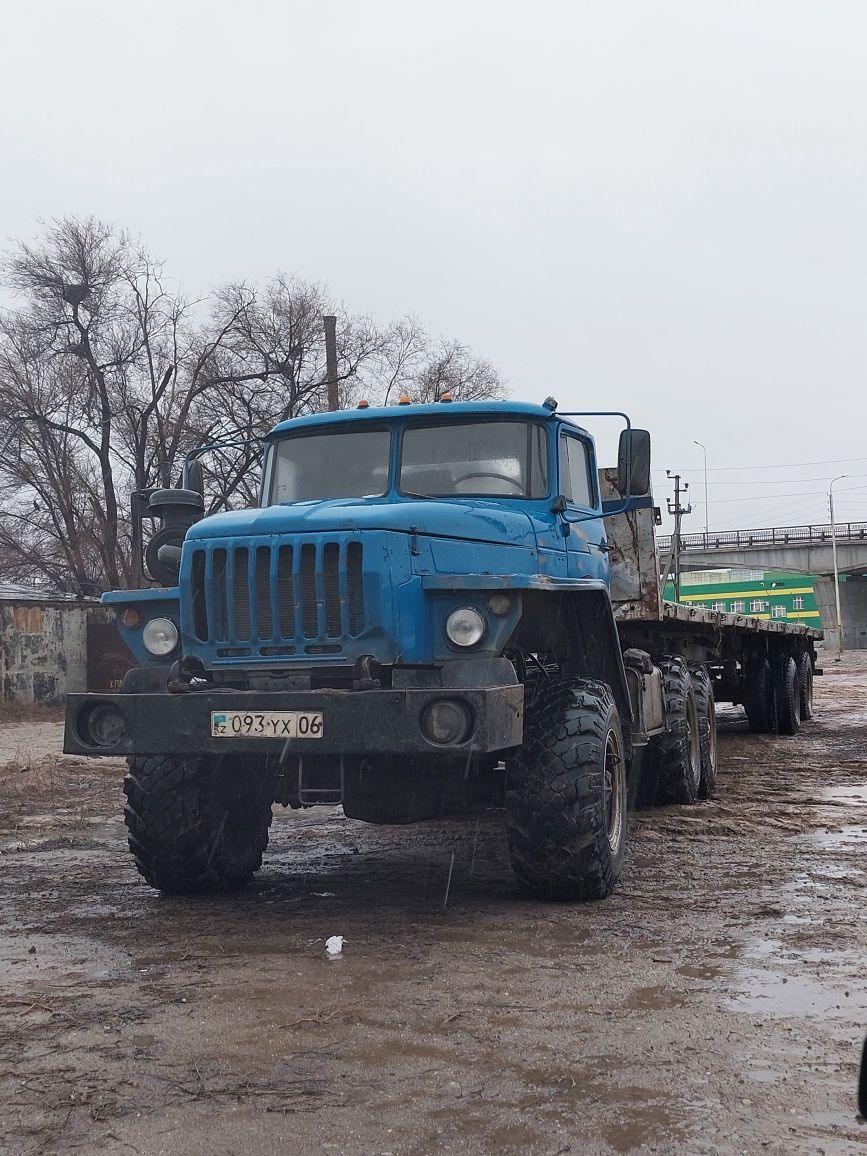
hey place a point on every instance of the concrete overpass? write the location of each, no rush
(802, 549)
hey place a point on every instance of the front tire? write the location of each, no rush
(196, 824)
(566, 793)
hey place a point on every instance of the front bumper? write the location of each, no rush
(354, 721)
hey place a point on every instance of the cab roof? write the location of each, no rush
(443, 410)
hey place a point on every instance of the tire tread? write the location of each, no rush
(554, 809)
(178, 830)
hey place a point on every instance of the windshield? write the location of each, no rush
(505, 459)
(330, 465)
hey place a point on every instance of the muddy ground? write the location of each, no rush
(715, 1003)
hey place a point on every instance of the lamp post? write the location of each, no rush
(706, 516)
(836, 571)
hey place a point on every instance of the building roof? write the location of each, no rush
(14, 592)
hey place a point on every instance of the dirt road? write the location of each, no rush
(715, 1003)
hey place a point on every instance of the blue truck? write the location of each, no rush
(432, 608)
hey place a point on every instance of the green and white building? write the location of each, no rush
(772, 594)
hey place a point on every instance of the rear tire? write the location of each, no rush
(566, 793)
(758, 698)
(672, 762)
(787, 697)
(196, 824)
(703, 687)
(805, 686)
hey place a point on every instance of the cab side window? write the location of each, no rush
(575, 485)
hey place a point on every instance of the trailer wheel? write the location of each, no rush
(787, 697)
(758, 699)
(805, 686)
(566, 793)
(196, 824)
(672, 762)
(703, 687)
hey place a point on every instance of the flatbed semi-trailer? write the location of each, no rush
(431, 607)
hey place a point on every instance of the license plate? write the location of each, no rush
(266, 724)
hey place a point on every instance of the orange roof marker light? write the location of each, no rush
(446, 397)
(404, 400)
(363, 404)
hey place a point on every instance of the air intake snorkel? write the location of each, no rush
(176, 510)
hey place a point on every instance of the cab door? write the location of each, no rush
(585, 542)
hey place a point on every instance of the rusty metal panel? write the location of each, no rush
(633, 560)
(722, 622)
(28, 619)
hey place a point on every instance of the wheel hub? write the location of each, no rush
(613, 790)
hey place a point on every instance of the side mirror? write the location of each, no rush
(633, 463)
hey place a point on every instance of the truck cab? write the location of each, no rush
(369, 527)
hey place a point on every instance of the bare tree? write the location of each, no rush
(108, 378)
(451, 367)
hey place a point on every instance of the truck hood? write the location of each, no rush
(477, 521)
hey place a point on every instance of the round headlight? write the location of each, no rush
(465, 627)
(102, 725)
(446, 721)
(160, 636)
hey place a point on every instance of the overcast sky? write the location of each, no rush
(647, 205)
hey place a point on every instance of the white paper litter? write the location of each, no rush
(334, 946)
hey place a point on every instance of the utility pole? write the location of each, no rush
(706, 517)
(836, 571)
(677, 511)
(330, 324)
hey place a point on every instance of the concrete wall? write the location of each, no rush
(43, 649)
(853, 611)
(814, 559)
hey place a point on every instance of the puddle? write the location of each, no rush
(35, 957)
(700, 971)
(641, 1124)
(854, 794)
(758, 990)
(764, 1075)
(762, 992)
(653, 998)
(802, 890)
(843, 839)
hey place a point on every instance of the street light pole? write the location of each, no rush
(836, 571)
(706, 515)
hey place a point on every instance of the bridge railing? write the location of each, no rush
(772, 536)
